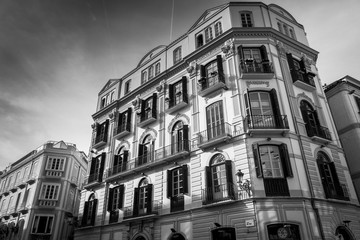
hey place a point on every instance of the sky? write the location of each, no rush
(56, 55)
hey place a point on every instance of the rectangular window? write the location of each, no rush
(127, 87)
(50, 191)
(157, 69)
(101, 132)
(42, 224)
(97, 168)
(55, 163)
(103, 102)
(116, 198)
(246, 20)
(177, 55)
(151, 72)
(149, 108)
(272, 163)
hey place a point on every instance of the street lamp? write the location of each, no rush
(243, 184)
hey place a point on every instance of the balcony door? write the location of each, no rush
(310, 118)
(146, 150)
(215, 120)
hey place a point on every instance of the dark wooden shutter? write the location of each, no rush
(154, 105)
(285, 160)
(149, 198)
(111, 198)
(203, 77)
(128, 122)
(125, 160)
(184, 89)
(136, 202)
(121, 196)
(116, 162)
(304, 113)
(257, 160)
(106, 130)
(169, 184)
(230, 179)
(304, 72)
(276, 108)
(185, 178)
(357, 100)
(93, 165)
(102, 166)
(85, 215)
(142, 112)
(263, 52)
(208, 177)
(292, 67)
(93, 216)
(338, 188)
(220, 68)
(323, 179)
(141, 155)
(241, 53)
(171, 95)
(186, 137)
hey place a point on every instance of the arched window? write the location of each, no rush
(208, 34)
(219, 184)
(179, 138)
(144, 77)
(120, 161)
(218, 29)
(157, 69)
(146, 150)
(143, 198)
(89, 211)
(329, 177)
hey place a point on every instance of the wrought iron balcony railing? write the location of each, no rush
(220, 132)
(266, 122)
(318, 131)
(153, 210)
(219, 193)
(173, 150)
(252, 66)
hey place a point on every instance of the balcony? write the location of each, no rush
(23, 208)
(173, 151)
(171, 107)
(52, 173)
(276, 187)
(215, 135)
(100, 141)
(266, 124)
(48, 203)
(250, 69)
(13, 188)
(74, 181)
(21, 184)
(93, 179)
(121, 131)
(147, 117)
(219, 193)
(304, 80)
(144, 213)
(31, 179)
(211, 84)
(318, 133)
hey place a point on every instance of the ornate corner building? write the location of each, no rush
(223, 134)
(40, 193)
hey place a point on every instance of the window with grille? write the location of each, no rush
(55, 163)
(50, 191)
(246, 19)
(42, 225)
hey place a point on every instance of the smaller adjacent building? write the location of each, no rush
(40, 193)
(343, 97)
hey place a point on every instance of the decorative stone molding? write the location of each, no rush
(124, 144)
(179, 117)
(148, 131)
(303, 96)
(265, 83)
(191, 69)
(228, 48)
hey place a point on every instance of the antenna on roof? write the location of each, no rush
(172, 18)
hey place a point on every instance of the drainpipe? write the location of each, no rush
(312, 198)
